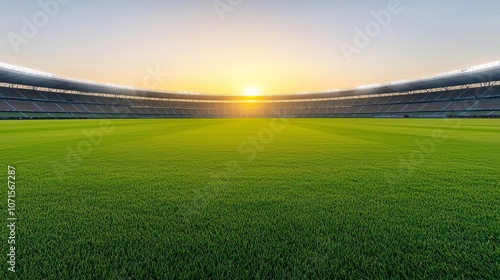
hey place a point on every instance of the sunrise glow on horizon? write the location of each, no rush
(252, 48)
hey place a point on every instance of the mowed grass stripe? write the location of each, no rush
(318, 201)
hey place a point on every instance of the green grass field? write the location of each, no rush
(253, 198)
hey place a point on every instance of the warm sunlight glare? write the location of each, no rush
(252, 91)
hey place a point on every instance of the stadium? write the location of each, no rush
(250, 139)
(467, 93)
(381, 181)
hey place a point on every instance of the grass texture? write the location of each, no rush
(254, 198)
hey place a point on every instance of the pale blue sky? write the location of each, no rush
(277, 46)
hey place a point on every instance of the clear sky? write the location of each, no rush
(249, 46)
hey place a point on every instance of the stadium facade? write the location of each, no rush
(472, 92)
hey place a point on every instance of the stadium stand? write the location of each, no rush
(473, 92)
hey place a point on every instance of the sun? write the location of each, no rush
(252, 91)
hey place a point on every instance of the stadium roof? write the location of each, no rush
(473, 75)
